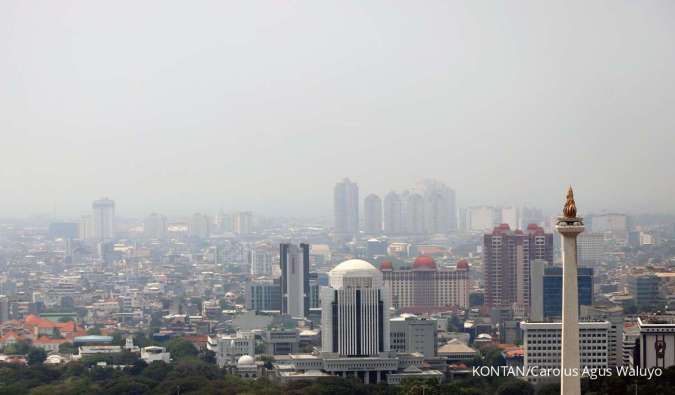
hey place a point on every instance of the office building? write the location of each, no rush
(552, 290)
(506, 263)
(655, 346)
(615, 339)
(409, 334)
(346, 210)
(262, 259)
(414, 209)
(393, 214)
(440, 206)
(646, 289)
(509, 216)
(424, 285)
(103, 219)
(155, 226)
(355, 311)
(480, 218)
(372, 209)
(295, 292)
(542, 346)
(590, 247)
(263, 295)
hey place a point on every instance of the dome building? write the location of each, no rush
(425, 285)
(355, 311)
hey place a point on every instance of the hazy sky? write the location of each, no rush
(183, 106)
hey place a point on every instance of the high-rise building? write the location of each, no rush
(590, 248)
(200, 226)
(262, 258)
(242, 223)
(263, 295)
(85, 229)
(355, 311)
(506, 264)
(440, 206)
(155, 226)
(542, 347)
(552, 288)
(393, 214)
(509, 216)
(295, 292)
(424, 285)
(415, 215)
(654, 347)
(372, 208)
(104, 219)
(614, 315)
(346, 210)
(480, 218)
(646, 289)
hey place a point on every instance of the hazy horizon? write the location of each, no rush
(177, 107)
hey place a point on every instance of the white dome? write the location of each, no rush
(355, 269)
(246, 360)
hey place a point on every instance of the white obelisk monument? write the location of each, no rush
(569, 226)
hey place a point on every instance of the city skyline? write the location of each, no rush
(201, 122)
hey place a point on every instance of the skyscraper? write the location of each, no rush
(104, 219)
(440, 206)
(200, 226)
(295, 293)
(393, 214)
(372, 207)
(506, 264)
(242, 223)
(355, 311)
(346, 210)
(415, 214)
(154, 226)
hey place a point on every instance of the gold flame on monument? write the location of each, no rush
(570, 209)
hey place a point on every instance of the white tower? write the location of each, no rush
(569, 226)
(355, 311)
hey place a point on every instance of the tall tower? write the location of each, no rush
(569, 226)
(346, 210)
(393, 214)
(104, 219)
(355, 311)
(372, 207)
(294, 263)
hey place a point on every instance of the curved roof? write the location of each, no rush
(353, 265)
(246, 360)
(424, 262)
(355, 269)
(463, 264)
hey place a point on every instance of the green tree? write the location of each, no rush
(181, 348)
(36, 356)
(515, 387)
(94, 331)
(66, 348)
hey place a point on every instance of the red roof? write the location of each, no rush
(424, 262)
(386, 265)
(33, 321)
(463, 265)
